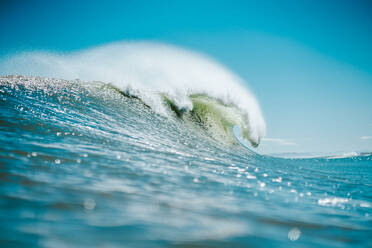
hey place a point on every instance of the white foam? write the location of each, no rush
(344, 155)
(144, 68)
(332, 201)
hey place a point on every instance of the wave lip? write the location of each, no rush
(145, 69)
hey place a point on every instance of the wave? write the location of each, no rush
(349, 155)
(209, 114)
(322, 155)
(163, 76)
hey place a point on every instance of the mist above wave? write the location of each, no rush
(144, 69)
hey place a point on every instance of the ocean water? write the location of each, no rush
(90, 164)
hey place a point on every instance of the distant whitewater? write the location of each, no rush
(138, 145)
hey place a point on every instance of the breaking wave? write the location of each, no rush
(162, 76)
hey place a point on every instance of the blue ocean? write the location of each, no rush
(100, 149)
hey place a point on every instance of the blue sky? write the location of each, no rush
(308, 62)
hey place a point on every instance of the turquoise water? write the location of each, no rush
(82, 164)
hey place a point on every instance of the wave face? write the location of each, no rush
(86, 164)
(145, 70)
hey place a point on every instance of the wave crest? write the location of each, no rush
(145, 69)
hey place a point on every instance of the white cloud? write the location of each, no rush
(366, 137)
(282, 142)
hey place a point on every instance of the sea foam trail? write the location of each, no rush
(144, 69)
